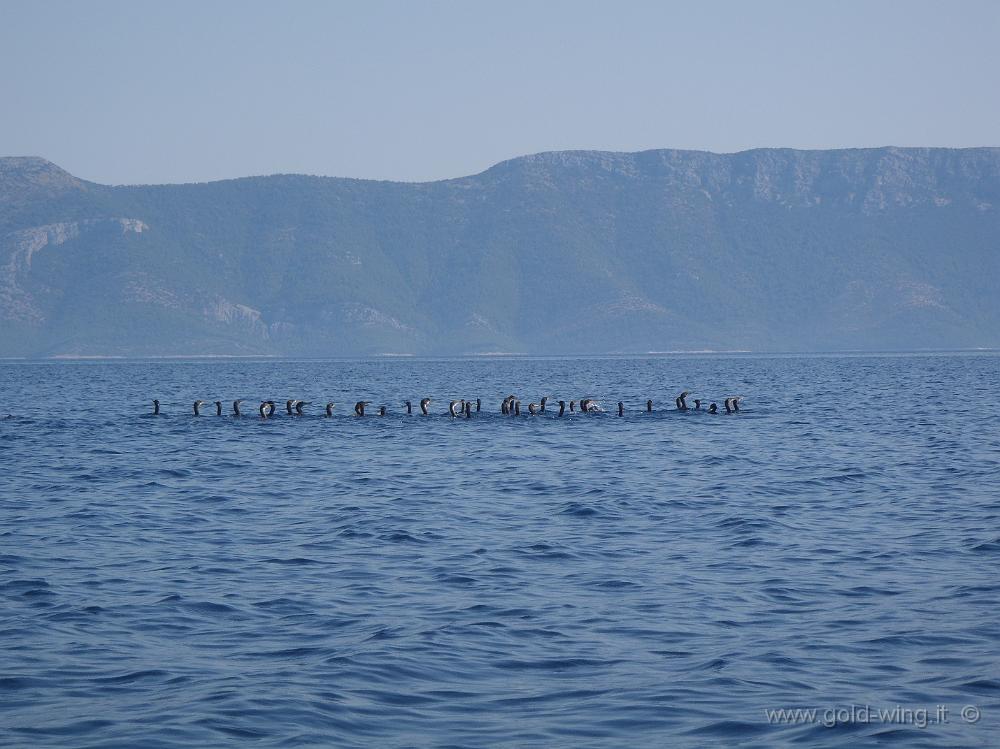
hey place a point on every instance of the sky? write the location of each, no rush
(134, 91)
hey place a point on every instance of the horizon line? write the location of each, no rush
(502, 162)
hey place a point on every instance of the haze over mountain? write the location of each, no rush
(563, 252)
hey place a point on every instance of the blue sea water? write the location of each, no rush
(654, 580)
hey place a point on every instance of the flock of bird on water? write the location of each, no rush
(510, 406)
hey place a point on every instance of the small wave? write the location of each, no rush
(78, 728)
(290, 653)
(616, 584)
(988, 547)
(867, 590)
(294, 561)
(401, 537)
(453, 579)
(132, 677)
(578, 510)
(26, 585)
(981, 686)
(731, 729)
(18, 683)
(212, 609)
(553, 664)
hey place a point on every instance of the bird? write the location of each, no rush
(562, 407)
(572, 406)
(409, 407)
(542, 404)
(236, 407)
(468, 409)
(299, 405)
(681, 402)
(531, 408)
(359, 407)
(329, 409)
(423, 405)
(649, 406)
(453, 408)
(197, 407)
(517, 408)
(266, 409)
(621, 408)
(713, 409)
(479, 404)
(697, 404)
(381, 410)
(156, 408)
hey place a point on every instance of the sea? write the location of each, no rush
(820, 569)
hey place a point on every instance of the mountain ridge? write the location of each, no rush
(556, 252)
(40, 163)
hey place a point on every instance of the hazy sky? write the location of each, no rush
(136, 91)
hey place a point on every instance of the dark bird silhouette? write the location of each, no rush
(236, 407)
(381, 410)
(621, 408)
(409, 407)
(681, 401)
(562, 407)
(697, 404)
(156, 408)
(423, 405)
(479, 404)
(299, 405)
(266, 409)
(713, 409)
(649, 406)
(453, 408)
(197, 407)
(329, 409)
(359, 407)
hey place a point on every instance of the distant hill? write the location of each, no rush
(565, 252)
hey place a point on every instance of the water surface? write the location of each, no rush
(655, 580)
